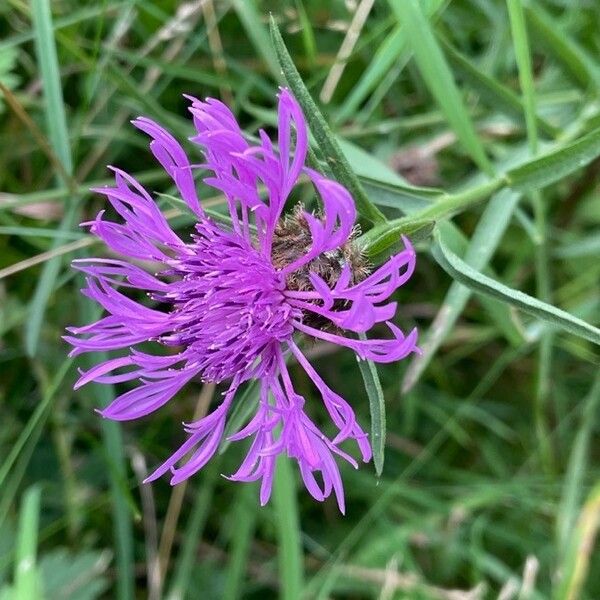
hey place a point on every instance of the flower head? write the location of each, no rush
(227, 303)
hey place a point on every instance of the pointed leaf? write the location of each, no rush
(374, 391)
(555, 165)
(322, 133)
(462, 272)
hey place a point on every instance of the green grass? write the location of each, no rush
(471, 126)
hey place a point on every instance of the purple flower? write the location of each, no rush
(232, 299)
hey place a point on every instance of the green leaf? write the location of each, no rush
(250, 17)
(187, 73)
(56, 123)
(308, 34)
(291, 571)
(242, 521)
(575, 567)
(462, 272)
(405, 198)
(381, 244)
(368, 371)
(586, 246)
(391, 51)
(242, 411)
(364, 164)
(32, 430)
(72, 18)
(322, 133)
(555, 165)
(438, 77)
(123, 505)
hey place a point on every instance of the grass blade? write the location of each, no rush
(308, 34)
(491, 91)
(243, 519)
(323, 134)
(290, 556)
(251, 20)
(56, 120)
(370, 377)
(16, 463)
(56, 124)
(241, 413)
(523, 58)
(577, 468)
(438, 77)
(391, 50)
(34, 424)
(114, 451)
(462, 272)
(577, 63)
(123, 526)
(27, 584)
(577, 561)
(522, 54)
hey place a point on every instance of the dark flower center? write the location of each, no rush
(292, 239)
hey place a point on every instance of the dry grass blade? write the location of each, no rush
(352, 35)
(46, 256)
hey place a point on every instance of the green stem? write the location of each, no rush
(288, 529)
(382, 237)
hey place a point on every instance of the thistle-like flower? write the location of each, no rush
(229, 302)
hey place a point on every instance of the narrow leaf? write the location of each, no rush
(555, 165)
(462, 272)
(288, 530)
(243, 519)
(56, 124)
(27, 584)
(574, 481)
(581, 549)
(523, 57)
(382, 237)
(323, 134)
(250, 17)
(192, 534)
(376, 408)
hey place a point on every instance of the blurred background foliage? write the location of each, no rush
(490, 485)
